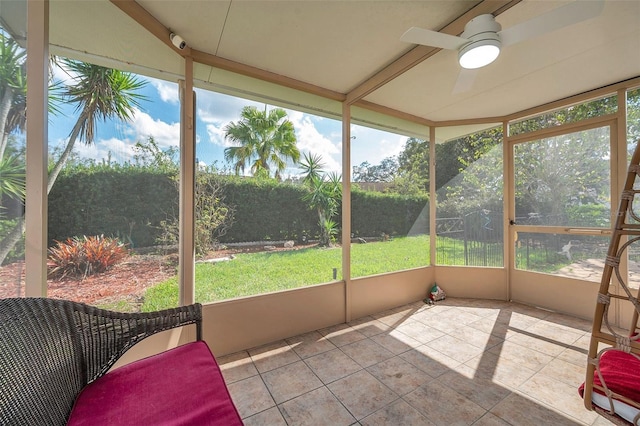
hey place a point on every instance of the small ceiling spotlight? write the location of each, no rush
(178, 41)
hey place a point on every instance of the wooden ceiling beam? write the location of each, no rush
(420, 53)
(149, 22)
(271, 77)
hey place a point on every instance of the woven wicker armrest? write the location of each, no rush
(50, 349)
(107, 335)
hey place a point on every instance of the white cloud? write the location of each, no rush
(220, 109)
(143, 125)
(168, 91)
(310, 140)
(216, 135)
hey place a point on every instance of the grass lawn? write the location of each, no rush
(256, 273)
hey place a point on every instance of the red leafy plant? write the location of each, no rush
(81, 257)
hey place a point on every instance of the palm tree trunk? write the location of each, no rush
(53, 174)
(5, 107)
(15, 234)
(3, 143)
(11, 239)
(324, 238)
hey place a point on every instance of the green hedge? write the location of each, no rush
(130, 202)
(375, 213)
(268, 210)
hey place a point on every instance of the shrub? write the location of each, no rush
(213, 216)
(81, 257)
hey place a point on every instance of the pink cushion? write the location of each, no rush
(182, 386)
(621, 373)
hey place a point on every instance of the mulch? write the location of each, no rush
(127, 280)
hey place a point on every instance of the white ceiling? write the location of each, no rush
(575, 59)
(338, 45)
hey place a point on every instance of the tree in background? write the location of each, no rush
(99, 93)
(564, 175)
(469, 173)
(325, 194)
(406, 174)
(265, 141)
(413, 169)
(13, 90)
(12, 183)
(384, 172)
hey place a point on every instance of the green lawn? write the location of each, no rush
(256, 273)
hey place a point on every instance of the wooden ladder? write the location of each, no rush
(605, 336)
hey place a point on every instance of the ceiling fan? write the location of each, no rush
(483, 37)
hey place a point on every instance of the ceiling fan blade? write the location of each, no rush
(465, 80)
(572, 13)
(432, 38)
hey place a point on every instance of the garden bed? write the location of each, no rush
(125, 283)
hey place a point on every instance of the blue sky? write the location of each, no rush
(158, 116)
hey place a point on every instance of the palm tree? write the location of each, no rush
(13, 88)
(325, 194)
(265, 140)
(12, 113)
(99, 94)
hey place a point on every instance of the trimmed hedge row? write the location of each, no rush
(130, 203)
(268, 210)
(115, 202)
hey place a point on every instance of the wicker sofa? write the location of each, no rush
(55, 357)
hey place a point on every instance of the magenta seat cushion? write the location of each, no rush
(182, 386)
(621, 373)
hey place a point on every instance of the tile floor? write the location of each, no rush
(460, 362)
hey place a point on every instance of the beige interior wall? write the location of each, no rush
(566, 295)
(478, 283)
(239, 324)
(243, 323)
(379, 292)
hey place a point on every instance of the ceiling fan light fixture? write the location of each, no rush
(478, 54)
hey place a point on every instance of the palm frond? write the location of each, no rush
(12, 177)
(101, 93)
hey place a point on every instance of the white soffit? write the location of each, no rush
(199, 23)
(444, 134)
(229, 83)
(260, 91)
(376, 120)
(99, 32)
(13, 18)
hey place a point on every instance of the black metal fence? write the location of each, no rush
(475, 239)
